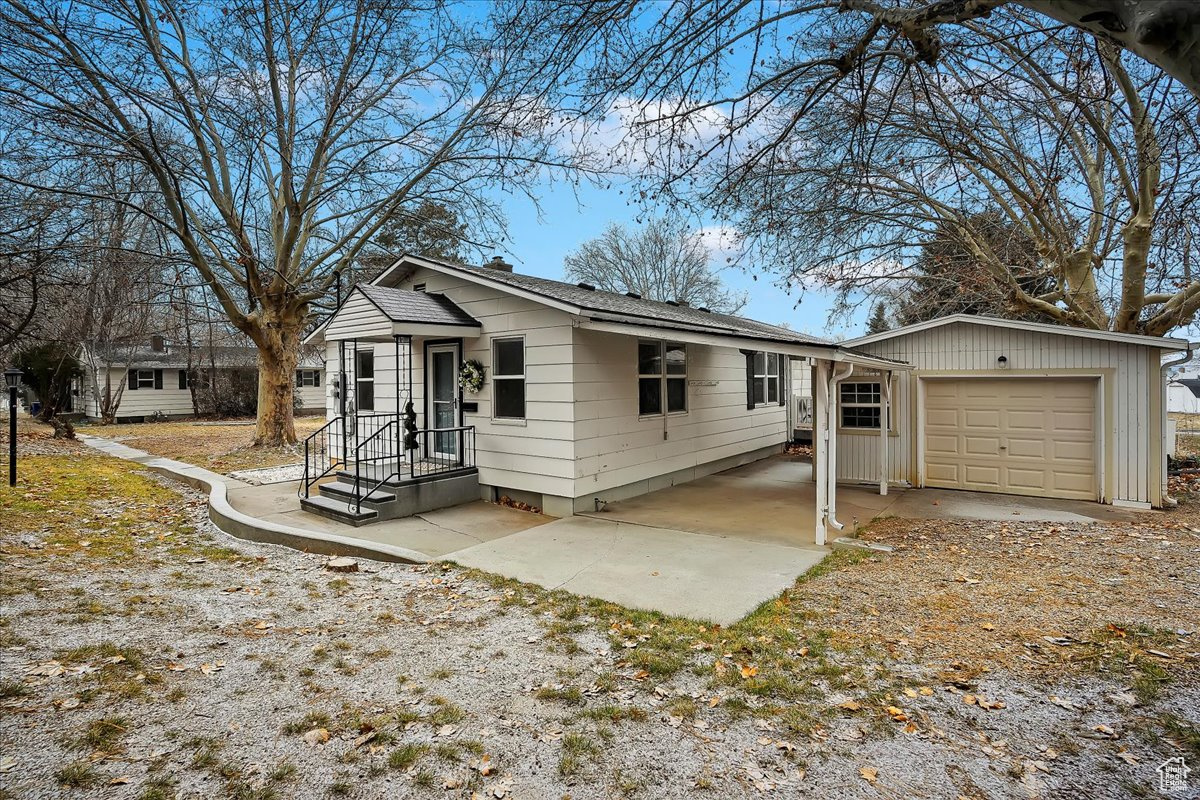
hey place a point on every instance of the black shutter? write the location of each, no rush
(298, 379)
(158, 379)
(131, 380)
(183, 376)
(749, 378)
(785, 362)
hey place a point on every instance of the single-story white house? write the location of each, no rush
(161, 381)
(589, 397)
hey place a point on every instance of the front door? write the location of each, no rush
(443, 398)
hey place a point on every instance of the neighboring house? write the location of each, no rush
(589, 396)
(1183, 392)
(1022, 408)
(154, 381)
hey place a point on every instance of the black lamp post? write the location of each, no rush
(12, 377)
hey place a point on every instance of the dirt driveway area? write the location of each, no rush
(145, 655)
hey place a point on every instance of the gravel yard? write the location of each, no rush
(146, 655)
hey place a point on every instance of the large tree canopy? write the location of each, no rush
(280, 136)
(840, 141)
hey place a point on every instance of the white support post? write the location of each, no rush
(821, 443)
(885, 407)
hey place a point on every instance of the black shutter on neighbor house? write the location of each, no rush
(183, 378)
(158, 379)
(298, 378)
(131, 380)
(749, 354)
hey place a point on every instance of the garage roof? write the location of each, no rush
(1160, 342)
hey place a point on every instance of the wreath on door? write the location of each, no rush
(470, 376)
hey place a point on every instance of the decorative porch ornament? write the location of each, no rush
(410, 427)
(470, 376)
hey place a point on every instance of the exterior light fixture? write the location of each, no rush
(1002, 361)
(12, 377)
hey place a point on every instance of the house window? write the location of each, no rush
(662, 378)
(144, 379)
(860, 405)
(764, 384)
(364, 380)
(508, 378)
(308, 377)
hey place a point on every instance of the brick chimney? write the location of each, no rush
(499, 263)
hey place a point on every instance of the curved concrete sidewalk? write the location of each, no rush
(244, 526)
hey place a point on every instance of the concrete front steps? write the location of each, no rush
(394, 498)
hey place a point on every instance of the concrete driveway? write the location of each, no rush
(715, 578)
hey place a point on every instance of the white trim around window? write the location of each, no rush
(508, 378)
(859, 405)
(662, 378)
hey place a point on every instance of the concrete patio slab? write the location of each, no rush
(720, 579)
(771, 501)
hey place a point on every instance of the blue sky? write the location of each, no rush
(572, 215)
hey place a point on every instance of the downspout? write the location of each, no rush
(840, 372)
(1168, 502)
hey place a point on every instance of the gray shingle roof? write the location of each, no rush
(401, 305)
(640, 311)
(175, 356)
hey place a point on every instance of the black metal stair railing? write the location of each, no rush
(322, 454)
(376, 449)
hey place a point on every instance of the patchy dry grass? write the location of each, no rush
(219, 446)
(91, 508)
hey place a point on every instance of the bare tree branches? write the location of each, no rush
(281, 136)
(663, 260)
(840, 137)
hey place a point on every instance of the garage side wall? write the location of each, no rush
(1129, 414)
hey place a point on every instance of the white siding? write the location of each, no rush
(615, 447)
(582, 433)
(169, 400)
(1129, 376)
(359, 317)
(538, 454)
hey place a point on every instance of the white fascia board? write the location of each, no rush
(429, 329)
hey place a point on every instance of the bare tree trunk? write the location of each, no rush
(278, 340)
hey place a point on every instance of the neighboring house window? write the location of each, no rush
(508, 378)
(763, 378)
(144, 379)
(308, 377)
(860, 405)
(662, 378)
(364, 380)
(183, 379)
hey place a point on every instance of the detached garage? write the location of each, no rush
(1021, 408)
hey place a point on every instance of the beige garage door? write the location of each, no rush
(1020, 436)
